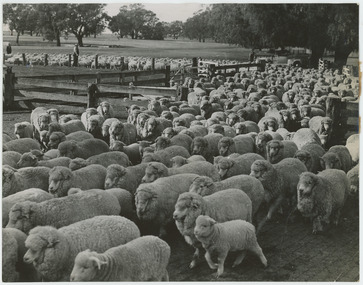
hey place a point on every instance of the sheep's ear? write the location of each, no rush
(194, 204)
(98, 263)
(211, 221)
(52, 242)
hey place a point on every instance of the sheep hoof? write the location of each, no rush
(192, 264)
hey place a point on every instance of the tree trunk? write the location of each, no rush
(316, 53)
(80, 40)
(95, 35)
(31, 33)
(17, 38)
(341, 55)
(57, 35)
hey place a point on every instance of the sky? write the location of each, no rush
(164, 11)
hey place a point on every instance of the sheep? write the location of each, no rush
(142, 259)
(228, 167)
(61, 179)
(132, 151)
(67, 117)
(353, 176)
(63, 211)
(105, 110)
(32, 194)
(73, 126)
(278, 150)
(124, 132)
(310, 154)
(23, 130)
(155, 201)
(21, 145)
(226, 205)
(240, 144)
(179, 139)
(261, 141)
(246, 127)
(6, 138)
(322, 126)
(154, 127)
(179, 161)
(337, 157)
(29, 177)
(279, 181)
(322, 196)
(305, 136)
(268, 123)
(94, 126)
(352, 145)
(220, 238)
(126, 201)
(85, 115)
(128, 178)
(52, 251)
(85, 149)
(57, 137)
(30, 160)
(54, 115)
(40, 119)
(105, 159)
(164, 156)
(106, 126)
(155, 170)
(155, 106)
(11, 158)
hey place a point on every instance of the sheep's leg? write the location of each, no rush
(258, 251)
(221, 259)
(274, 206)
(195, 258)
(210, 262)
(165, 276)
(317, 226)
(239, 258)
(335, 217)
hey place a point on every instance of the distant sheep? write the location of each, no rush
(132, 151)
(85, 149)
(11, 158)
(278, 150)
(305, 136)
(124, 132)
(105, 110)
(241, 144)
(30, 160)
(337, 157)
(179, 139)
(310, 154)
(23, 130)
(165, 155)
(21, 145)
(105, 159)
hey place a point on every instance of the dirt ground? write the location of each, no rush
(292, 251)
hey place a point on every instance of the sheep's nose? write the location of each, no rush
(175, 216)
(26, 259)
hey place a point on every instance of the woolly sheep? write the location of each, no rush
(337, 157)
(11, 158)
(219, 239)
(105, 159)
(179, 139)
(86, 114)
(305, 136)
(52, 251)
(73, 126)
(142, 259)
(352, 145)
(156, 170)
(105, 110)
(29, 177)
(154, 127)
(62, 211)
(226, 205)
(322, 196)
(40, 119)
(246, 127)
(21, 145)
(23, 130)
(353, 176)
(155, 201)
(61, 179)
(132, 151)
(241, 144)
(268, 123)
(128, 178)
(228, 167)
(198, 131)
(310, 154)
(124, 132)
(85, 149)
(278, 150)
(67, 117)
(106, 126)
(30, 160)
(165, 155)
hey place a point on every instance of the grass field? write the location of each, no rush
(128, 47)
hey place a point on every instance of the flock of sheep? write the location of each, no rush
(79, 194)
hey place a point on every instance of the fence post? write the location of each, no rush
(24, 59)
(99, 77)
(69, 60)
(122, 67)
(46, 59)
(195, 65)
(91, 95)
(184, 90)
(9, 80)
(167, 76)
(333, 111)
(73, 79)
(211, 70)
(153, 63)
(121, 79)
(96, 61)
(131, 86)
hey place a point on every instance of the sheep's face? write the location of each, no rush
(304, 157)
(261, 142)
(92, 125)
(54, 115)
(37, 247)
(19, 130)
(145, 202)
(274, 148)
(199, 145)
(161, 143)
(305, 111)
(258, 169)
(178, 161)
(294, 115)
(330, 161)
(19, 216)
(150, 125)
(179, 122)
(105, 129)
(86, 266)
(106, 109)
(232, 119)
(204, 226)
(202, 186)
(116, 177)
(271, 126)
(240, 129)
(59, 179)
(224, 146)
(27, 160)
(223, 167)
(152, 172)
(168, 133)
(305, 193)
(116, 131)
(43, 122)
(167, 115)
(55, 139)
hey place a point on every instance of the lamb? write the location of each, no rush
(228, 167)
(124, 132)
(52, 251)
(241, 144)
(179, 139)
(278, 150)
(128, 178)
(337, 157)
(279, 181)
(105, 110)
(85, 149)
(63, 211)
(310, 154)
(57, 137)
(164, 156)
(18, 180)
(155, 201)
(105, 159)
(11, 158)
(30, 160)
(61, 179)
(220, 238)
(21, 145)
(23, 130)
(352, 145)
(305, 136)
(142, 259)
(226, 205)
(155, 170)
(154, 127)
(132, 151)
(322, 196)
(32, 194)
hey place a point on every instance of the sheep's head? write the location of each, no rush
(240, 128)
(330, 160)
(19, 216)
(304, 157)
(305, 111)
(275, 150)
(145, 201)
(261, 141)
(154, 105)
(260, 169)
(271, 125)
(93, 123)
(115, 177)
(106, 109)
(150, 125)
(216, 129)
(223, 165)
(8, 180)
(204, 226)
(226, 146)
(86, 266)
(20, 130)
(285, 114)
(27, 160)
(153, 171)
(141, 119)
(232, 119)
(199, 146)
(161, 143)
(202, 185)
(167, 115)
(326, 126)
(179, 122)
(305, 193)
(294, 114)
(117, 146)
(43, 122)
(116, 130)
(59, 181)
(55, 139)
(54, 115)
(206, 109)
(78, 163)
(178, 161)
(68, 149)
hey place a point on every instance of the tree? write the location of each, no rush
(121, 24)
(15, 16)
(197, 27)
(175, 29)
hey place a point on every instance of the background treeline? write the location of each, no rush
(314, 26)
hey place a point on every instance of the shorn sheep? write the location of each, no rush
(63, 211)
(322, 196)
(61, 179)
(226, 205)
(52, 251)
(219, 239)
(142, 259)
